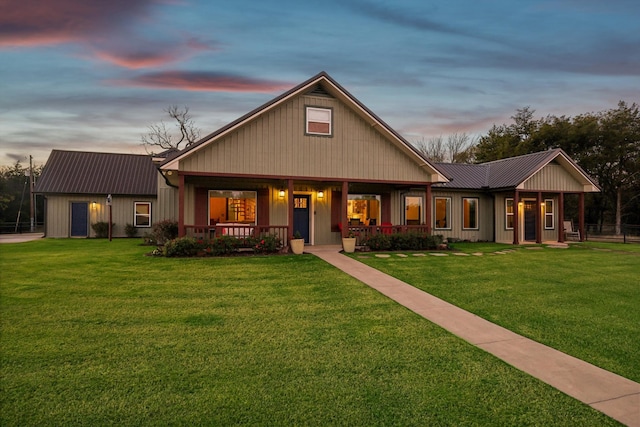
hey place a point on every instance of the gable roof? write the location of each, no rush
(324, 83)
(80, 172)
(511, 172)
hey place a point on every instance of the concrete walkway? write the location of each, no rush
(19, 238)
(609, 393)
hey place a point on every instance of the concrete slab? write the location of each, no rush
(615, 396)
(20, 238)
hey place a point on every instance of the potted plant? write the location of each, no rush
(297, 243)
(349, 242)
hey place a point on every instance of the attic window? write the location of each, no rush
(318, 121)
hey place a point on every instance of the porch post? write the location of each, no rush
(181, 229)
(561, 217)
(428, 208)
(516, 199)
(581, 216)
(290, 206)
(539, 218)
(345, 200)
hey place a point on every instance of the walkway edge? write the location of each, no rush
(609, 393)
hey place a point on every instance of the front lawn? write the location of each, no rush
(584, 301)
(95, 333)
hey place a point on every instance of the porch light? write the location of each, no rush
(93, 205)
(320, 194)
(281, 194)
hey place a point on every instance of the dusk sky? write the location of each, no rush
(93, 75)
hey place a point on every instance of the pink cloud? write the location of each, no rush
(36, 23)
(202, 81)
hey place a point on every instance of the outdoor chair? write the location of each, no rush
(569, 233)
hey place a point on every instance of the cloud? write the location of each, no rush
(201, 81)
(36, 23)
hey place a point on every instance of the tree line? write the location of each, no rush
(605, 144)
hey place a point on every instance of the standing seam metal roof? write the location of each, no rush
(79, 172)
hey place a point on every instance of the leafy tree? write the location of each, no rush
(14, 196)
(160, 137)
(508, 140)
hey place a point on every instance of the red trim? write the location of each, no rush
(428, 210)
(290, 206)
(181, 230)
(539, 217)
(296, 178)
(561, 217)
(345, 200)
(516, 200)
(581, 215)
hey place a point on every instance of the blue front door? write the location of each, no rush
(79, 219)
(301, 215)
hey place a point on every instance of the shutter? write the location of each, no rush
(336, 210)
(202, 206)
(263, 207)
(385, 198)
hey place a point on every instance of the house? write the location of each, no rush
(315, 160)
(75, 186)
(513, 200)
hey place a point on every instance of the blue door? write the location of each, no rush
(529, 220)
(301, 215)
(79, 219)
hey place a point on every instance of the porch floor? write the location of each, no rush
(609, 393)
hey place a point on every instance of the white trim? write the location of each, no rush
(448, 213)
(552, 214)
(477, 227)
(135, 214)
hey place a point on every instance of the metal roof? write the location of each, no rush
(507, 173)
(80, 172)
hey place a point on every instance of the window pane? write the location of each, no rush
(142, 216)
(509, 213)
(363, 209)
(442, 212)
(232, 206)
(470, 213)
(413, 210)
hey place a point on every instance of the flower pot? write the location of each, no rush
(297, 246)
(349, 244)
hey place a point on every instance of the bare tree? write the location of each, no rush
(433, 149)
(160, 136)
(460, 148)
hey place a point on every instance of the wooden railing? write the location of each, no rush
(208, 232)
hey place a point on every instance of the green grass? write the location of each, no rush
(583, 301)
(95, 333)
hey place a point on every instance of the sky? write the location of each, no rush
(93, 75)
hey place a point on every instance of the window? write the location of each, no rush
(319, 121)
(469, 214)
(363, 209)
(443, 213)
(548, 214)
(413, 210)
(508, 211)
(142, 217)
(232, 206)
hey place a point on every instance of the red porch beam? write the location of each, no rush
(581, 215)
(345, 201)
(428, 210)
(290, 207)
(516, 199)
(561, 217)
(181, 230)
(539, 218)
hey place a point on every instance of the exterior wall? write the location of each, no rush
(506, 236)
(58, 215)
(275, 144)
(485, 231)
(167, 201)
(553, 177)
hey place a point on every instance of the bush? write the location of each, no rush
(162, 232)
(130, 230)
(402, 242)
(223, 245)
(101, 229)
(267, 244)
(182, 247)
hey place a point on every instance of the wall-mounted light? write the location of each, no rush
(320, 194)
(281, 194)
(93, 205)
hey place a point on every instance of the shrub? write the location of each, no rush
(182, 247)
(267, 244)
(130, 230)
(403, 242)
(101, 228)
(162, 232)
(222, 245)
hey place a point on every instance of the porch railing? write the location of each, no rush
(208, 232)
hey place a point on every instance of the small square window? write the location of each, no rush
(319, 121)
(142, 216)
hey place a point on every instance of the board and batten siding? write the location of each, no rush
(167, 201)
(123, 210)
(485, 216)
(504, 235)
(553, 177)
(275, 144)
